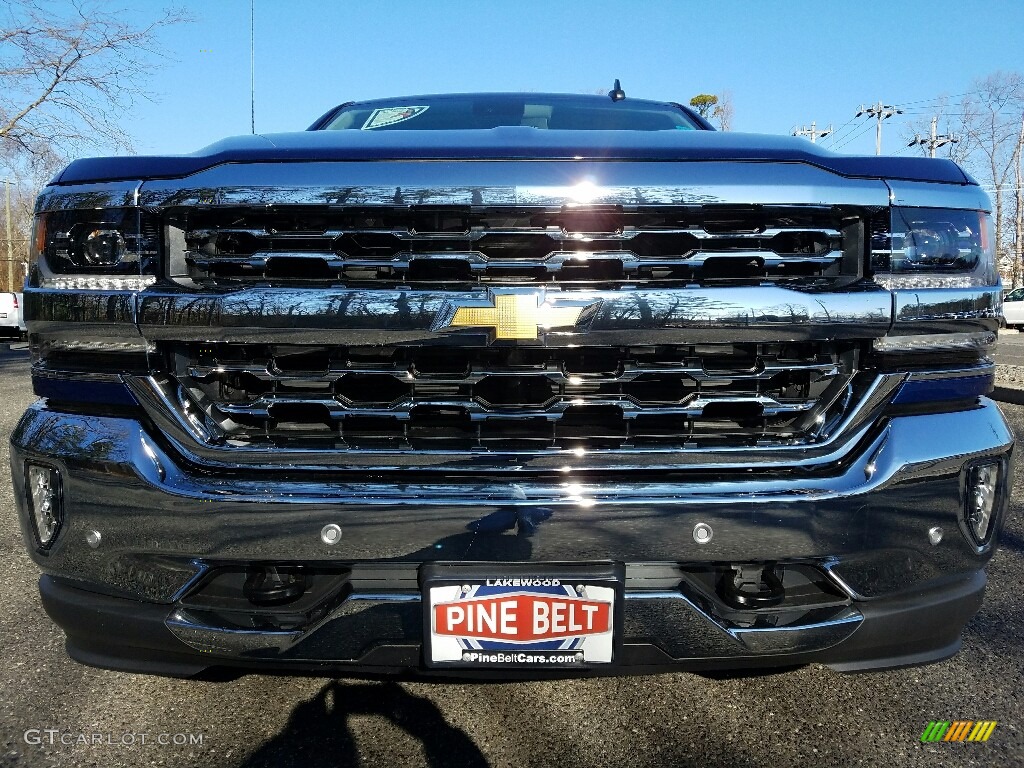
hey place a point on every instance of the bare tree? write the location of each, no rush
(723, 111)
(66, 77)
(712, 107)
(989, 123)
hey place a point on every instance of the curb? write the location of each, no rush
(1008, 395)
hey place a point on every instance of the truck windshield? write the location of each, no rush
(568, 113)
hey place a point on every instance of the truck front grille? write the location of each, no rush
(458, 247)
(508, 398)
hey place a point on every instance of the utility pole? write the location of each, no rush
(880, 112)
(813, 133)
(934, 142)
(10, 242)
(1018, 223)
(252, 65)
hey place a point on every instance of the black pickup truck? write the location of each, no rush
(511, 385)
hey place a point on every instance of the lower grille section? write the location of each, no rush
(488, 398)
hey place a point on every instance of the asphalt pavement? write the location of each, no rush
(54, 712)
(1009, 348)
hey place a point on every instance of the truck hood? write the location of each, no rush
(511, 143)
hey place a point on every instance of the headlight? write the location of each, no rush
(101, 247)
(934, 248)
(111, 241)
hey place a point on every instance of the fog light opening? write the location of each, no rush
(45, 503)
(982, 493)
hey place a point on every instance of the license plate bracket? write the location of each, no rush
(522, 615)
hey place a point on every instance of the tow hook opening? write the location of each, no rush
(764, 594)
(266, 596)
(273, 585)
(751, 586)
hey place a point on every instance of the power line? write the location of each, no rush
(938, 99)
(928, 110)
(902, 151)
(854, 136)
(879, 112)
(840, 129)
(847, 129)
(840, 137)
(850, 131)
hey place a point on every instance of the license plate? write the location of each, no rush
(516, 615)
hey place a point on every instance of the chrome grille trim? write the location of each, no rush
(861, 413)
(258, 264)
(626, 372)
(712, 396)
(572, 246)
(477, 411)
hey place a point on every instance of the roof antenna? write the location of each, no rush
(616, 93)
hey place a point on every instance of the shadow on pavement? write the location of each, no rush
(1009, 540)
(14, 360)
(318, 735)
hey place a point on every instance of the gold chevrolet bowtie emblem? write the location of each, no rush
(518, 316)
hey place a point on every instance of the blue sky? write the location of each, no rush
(785, 63)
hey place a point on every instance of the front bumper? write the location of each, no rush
(918, 627)
(887, 595)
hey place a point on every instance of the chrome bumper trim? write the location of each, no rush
(814, 635)
(501, 183)
(946, 310)
(221, 640)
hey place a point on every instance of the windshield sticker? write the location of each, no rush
(380, 118)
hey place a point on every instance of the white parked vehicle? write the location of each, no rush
(1013, 308)
(12, 324)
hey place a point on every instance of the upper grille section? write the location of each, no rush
(507, 398)
(464, 246)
